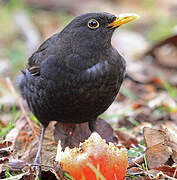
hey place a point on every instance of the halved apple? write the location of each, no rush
(94, 158)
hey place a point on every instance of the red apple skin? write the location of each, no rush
(112, 162)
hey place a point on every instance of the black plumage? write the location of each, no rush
(75, 75)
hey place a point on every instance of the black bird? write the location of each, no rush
(75, 75)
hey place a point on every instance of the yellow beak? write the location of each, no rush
(123, 19)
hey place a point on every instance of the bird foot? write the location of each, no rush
(37, 167)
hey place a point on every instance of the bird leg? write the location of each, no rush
(37, 160)
(93, 125)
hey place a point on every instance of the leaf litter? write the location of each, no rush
(150, 119)
(143, 117)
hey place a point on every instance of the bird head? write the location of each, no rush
(93, 31)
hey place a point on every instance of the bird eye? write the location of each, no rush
(93, 24)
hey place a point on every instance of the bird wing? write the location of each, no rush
(104, 72)
(47, 48)
(72, 70)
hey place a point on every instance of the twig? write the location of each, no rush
(174, 175)
(16, 165)
(138, 160)
(128, 76)
(16, 177)
(9, 82)
(158, 176)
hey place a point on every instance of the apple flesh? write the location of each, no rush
(107, 159)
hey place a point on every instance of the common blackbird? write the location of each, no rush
(75, 75)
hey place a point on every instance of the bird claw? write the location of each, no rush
(37, 171)
(37, 167)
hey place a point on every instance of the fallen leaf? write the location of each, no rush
(153, 137)
(157, 155)
(137, 105)
(161, 146)
(157, 81)
(168, 170)
(5, 149)
(126, 139)
(72, 134)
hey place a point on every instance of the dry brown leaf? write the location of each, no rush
(172, 142)
(137, 105)
(138, 160)
(5, 150)
(161, 145)
(72, 134)
(5, 144)
(126, 139)
(153, 137)
(158, 155)
(157, 81)
(174, 156)
(13, 134)
(26, 150)
(168, 170)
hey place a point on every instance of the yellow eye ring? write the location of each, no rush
(93, 24)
